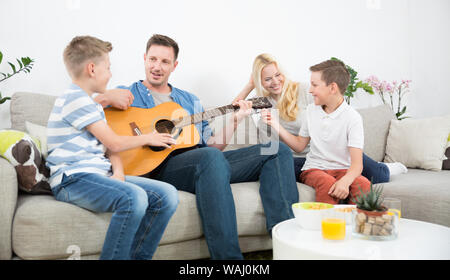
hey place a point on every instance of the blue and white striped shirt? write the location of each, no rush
(71, 147)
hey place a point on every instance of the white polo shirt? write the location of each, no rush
(331, 136)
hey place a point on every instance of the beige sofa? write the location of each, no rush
(39, 227)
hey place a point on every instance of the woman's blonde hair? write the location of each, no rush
(287, 103)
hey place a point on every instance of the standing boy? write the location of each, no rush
(85, 167)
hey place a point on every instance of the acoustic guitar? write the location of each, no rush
(167, 117)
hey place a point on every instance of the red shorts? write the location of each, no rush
(323, 180)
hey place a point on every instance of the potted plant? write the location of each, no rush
(391, 89)
(25, 64)
(371, 220)
(354, 84)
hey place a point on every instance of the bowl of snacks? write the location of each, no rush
(347, 210)
(309, 214)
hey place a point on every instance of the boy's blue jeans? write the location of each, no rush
(207, 173)
(141, 210)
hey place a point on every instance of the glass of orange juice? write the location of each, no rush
(394, 205)
(333, 225)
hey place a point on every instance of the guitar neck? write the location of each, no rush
(204, 116)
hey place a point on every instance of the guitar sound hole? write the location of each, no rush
(163, 126)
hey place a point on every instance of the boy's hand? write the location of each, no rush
(160, 139)
(340, 189)
(266, 117)
(120, 177)
(119, 98)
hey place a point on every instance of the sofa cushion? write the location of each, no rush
(44, 228)
(418, 143)
(8, 197)
(425, 195)
(376, 121)
(23, 108)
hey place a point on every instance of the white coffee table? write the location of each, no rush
(417, 240)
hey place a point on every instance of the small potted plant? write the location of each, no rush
(372, 220)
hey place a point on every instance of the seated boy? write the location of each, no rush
(334, 163)
(85, 168)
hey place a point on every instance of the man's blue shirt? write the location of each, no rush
(190, 102)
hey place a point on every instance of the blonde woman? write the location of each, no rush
(290, 98)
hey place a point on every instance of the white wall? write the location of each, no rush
(219, 40)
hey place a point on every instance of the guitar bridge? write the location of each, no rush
(135, 129)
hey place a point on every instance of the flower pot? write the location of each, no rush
(375, 225)
(372, 213)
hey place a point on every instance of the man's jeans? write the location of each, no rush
(141, 210)
(207, 173)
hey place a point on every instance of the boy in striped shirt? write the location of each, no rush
(85, 168)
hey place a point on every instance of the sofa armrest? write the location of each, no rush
(8, 200)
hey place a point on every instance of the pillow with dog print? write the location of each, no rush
(22, 151)
(446, 163)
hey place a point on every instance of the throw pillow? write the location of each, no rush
(39, 132)
(22, 152)
(376, 121)
(446, 163)
(418, 143)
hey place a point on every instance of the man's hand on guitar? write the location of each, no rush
(118, 98)
(245, 109)
(156, 139)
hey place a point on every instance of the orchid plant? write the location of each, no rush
(395, 90)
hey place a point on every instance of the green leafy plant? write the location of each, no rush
(371, 200)
(25, 64)
(354, 84)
